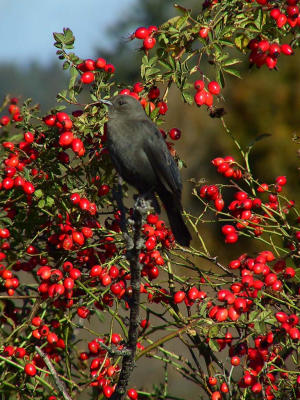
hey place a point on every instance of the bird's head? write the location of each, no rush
(124, 105)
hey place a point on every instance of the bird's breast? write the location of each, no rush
(125, 145)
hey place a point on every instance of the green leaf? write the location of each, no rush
(60, 108)
(153, 61)
(41, 203)
(66, 65)
(214, 331)
(165, 65)
(59, 37)
(182, 22)
(220, 77)
(188, 98)
(69, 37)
(74, 74)
(214, 345)
(100, 316)
(260, 327)
(49, 201)
(38, 193)
(258, 18)
(226, 43)
(93, 97)
(233, 72)
(241, 42)
(231, 61)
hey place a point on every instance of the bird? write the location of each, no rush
(141, 157)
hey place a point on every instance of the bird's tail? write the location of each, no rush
(173, 208)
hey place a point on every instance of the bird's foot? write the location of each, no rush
(143, 205)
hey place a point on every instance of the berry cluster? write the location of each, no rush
(91, 67)
(151, 102)
(103, 368)
(284, 14)
(147, 35)
(265, 53)
(227, 167)
(204, 96)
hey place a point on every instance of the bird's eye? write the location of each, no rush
(121, 102)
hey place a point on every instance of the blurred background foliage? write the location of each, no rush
(262, 102)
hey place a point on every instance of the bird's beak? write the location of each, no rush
(107, 102)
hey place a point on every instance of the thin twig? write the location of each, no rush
(128, 362)
(60, 385)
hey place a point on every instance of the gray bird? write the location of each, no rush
(142, 158)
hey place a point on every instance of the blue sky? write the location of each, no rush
(26, 26)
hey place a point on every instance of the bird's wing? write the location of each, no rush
(160, 158)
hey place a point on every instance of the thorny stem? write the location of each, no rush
(140, 211)
(60, 385)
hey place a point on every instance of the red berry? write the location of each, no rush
(175, 133)
(214, 87)
(84, 204)
(224, 388)
(200, 98)
(235, 361)
(271, 62)
(77, 146)
(103, 190)
(75, 198)
(4, 120)
(100, 63)
(152, 29)
(66, 138)
(221, 314)
(107, 391)
(149, 42)
(203, 33)
(68, 283)
(179, 297)
(28, 188)
(199, 84)
(115, 338)
(28, 137)
(87, 77)
(281, 317)
(132, 394)
(219, 204)
(286, 49)
(7, 183)
(109, 68)
(281, 20)
(154, 93)
(90, 65)
(141, 33)
(294, 333)
(138, 87)
(83, 312)
(30, 369)
(216, 396)
(275, 13)
(208, 99)
(231, 238)
(256, 388)
(281, 180)
(263, 188)
(228, 229)
(212, 380)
